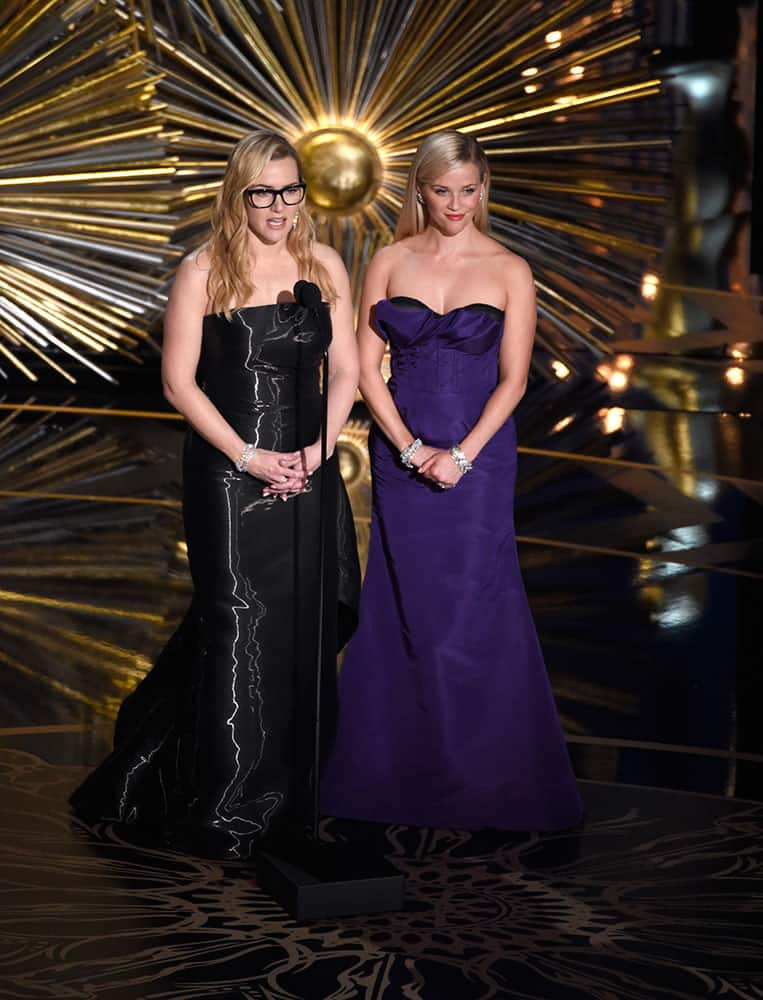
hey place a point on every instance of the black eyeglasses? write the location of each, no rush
(264, 197)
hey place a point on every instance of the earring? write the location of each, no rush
(482, 194)
(294, 223)
(419, 198)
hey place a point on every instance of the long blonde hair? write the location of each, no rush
(438, 153)
(229, 282)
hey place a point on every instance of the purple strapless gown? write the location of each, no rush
(446, 715)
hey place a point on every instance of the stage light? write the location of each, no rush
(612, 419)
(618, 381)
(649, 285)
(577, 70)
(734, 375)
(624, 362)
(739, 351)
(560, 369)
(530, 88)
(678, 610)
(706, 489)
(701, 86)
(561, 424)
(553, 39)
(530, 71)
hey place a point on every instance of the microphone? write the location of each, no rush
(307, 294)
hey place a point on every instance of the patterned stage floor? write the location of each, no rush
(658, 895)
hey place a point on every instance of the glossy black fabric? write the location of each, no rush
(215, 745)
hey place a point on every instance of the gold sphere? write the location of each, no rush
(342, 170)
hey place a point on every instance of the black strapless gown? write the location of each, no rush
(214, 747)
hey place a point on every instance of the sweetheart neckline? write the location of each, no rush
(468, 305)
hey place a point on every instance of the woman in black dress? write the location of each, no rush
(214, 747)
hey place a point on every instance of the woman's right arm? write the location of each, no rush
(371, 353)
(180, 358)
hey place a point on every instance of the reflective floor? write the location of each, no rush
(654, 897)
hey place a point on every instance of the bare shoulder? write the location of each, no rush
(196, 265)
(197, 260)
(396, 257)
(407, 246)
(389, 255)
(384, 261)
(327, 255)
(515, 268)
(334, 265)
(193, 271)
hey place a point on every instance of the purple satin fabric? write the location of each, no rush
(446, 714)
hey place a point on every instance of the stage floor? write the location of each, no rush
(657, 895)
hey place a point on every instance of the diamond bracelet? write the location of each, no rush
(463, 463)
(409, 451)
(246, 456)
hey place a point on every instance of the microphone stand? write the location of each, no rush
(310, 879)
(321, 599)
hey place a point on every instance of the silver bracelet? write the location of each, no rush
(460, 459)
(409, 451)
(246, 456)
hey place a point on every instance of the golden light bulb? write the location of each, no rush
(561, 424)
(650, 283)
(613, 419)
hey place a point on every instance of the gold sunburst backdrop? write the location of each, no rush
(93, 571)
(116, 120)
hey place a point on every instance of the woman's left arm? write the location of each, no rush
(513, 366)
(343, 358)
(514, 358)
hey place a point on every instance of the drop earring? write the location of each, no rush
(294, 223)
(419, 198)
(482, 194)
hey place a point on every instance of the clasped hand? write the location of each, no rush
(437, 465)
(285, 473)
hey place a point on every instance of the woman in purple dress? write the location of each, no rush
(446, 714)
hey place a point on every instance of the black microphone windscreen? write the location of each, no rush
(307, 294)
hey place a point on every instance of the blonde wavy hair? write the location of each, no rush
(437, 154)
(229, 282)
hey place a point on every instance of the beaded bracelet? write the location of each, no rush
(460, 459)
(246, 456)
(409, 451)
